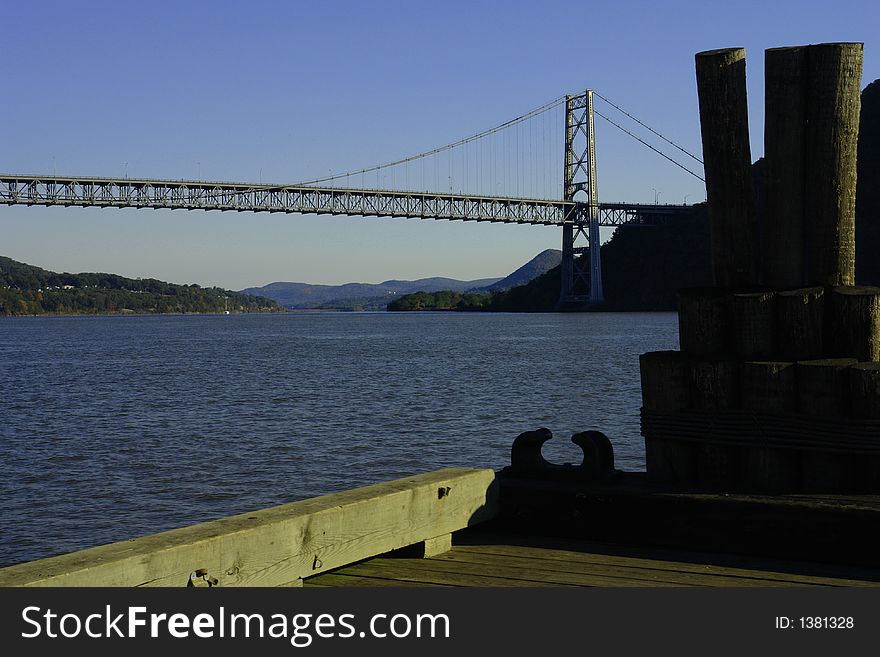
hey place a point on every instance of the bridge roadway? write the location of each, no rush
(299, 199)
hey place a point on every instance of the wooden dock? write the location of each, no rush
(489, 559)
(478, 528)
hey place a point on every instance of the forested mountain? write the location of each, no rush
(29, 290)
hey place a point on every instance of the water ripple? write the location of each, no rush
(115, 427)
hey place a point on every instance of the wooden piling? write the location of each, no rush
(834, 73)
(782, 234)
(724, 124)
(753, 319)
(864, 390)
(770, 388)
(799, 328)
(855, 323)
(823, 392)
(704, 322)
(822, 387)
(715, 386)
(665, 378)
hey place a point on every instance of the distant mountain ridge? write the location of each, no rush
(376, 296)
(369, 296)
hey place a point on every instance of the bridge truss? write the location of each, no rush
(192, 195)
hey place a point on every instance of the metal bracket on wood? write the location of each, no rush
(598, 463)
(200, 578)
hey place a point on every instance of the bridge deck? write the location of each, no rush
(30, 190)
(484, 558)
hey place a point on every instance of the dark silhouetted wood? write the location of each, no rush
(665, 377)
(823, 387)
(715, 386)
(704, 322)
(724, 124)
(823, 391)
(782, 244)
(800, 324)
(834, 73)
(770, 387)
(864, 392)
(753, 319)
(855, 323)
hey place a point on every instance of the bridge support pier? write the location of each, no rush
(596, 295)
(581, 282)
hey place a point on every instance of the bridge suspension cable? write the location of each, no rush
(647, 127)
(516, 158)
(645, 143)
(642, 141)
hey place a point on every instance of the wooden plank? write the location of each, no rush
(718, 561)
(482, 574)
(341, 579)
(534, 561)
(675, 569)
(278, 545)
(428, 572)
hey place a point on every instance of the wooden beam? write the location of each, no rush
(283, 544)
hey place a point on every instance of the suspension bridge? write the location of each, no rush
(507, 174)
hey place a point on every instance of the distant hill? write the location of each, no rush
(540, 264)
(479, 298)
(358, 296)
(29, 290)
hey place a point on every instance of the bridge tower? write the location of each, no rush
(581, 282)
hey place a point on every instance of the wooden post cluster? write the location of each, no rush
(776, 386)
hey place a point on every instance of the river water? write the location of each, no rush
(116, 427)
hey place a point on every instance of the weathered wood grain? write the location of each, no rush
(282, 544)
(753, 322)
(770, 387)
(665, 381)
(704, 322)
(855, 323)
(724, 125)
(800, 324)
(834, 73)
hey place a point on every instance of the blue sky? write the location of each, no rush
(287, 91)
